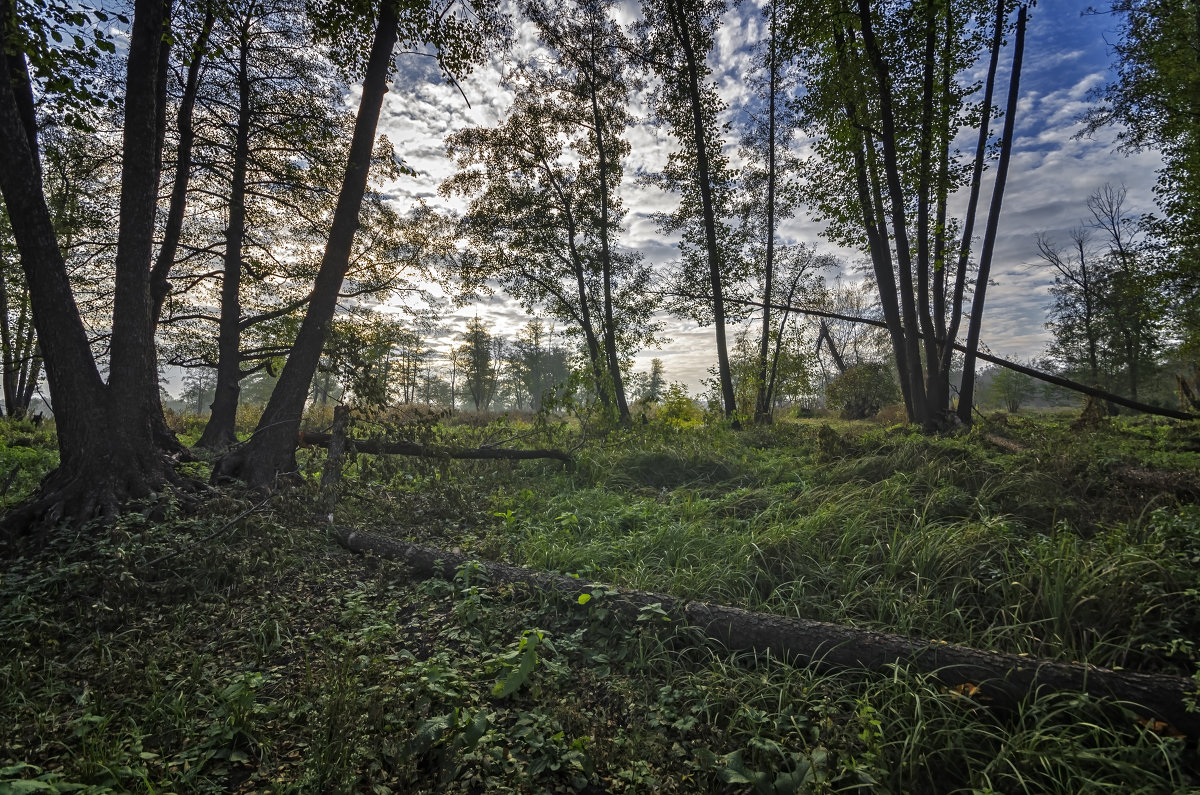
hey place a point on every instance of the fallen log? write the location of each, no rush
(385, 447)
(989, 678)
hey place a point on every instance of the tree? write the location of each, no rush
(862, 390)
(769, 187)
(1155, 103)
(545, 212)
(268, 105)
(678, 35)
(656, 383)
(887, 94)
(460, 34)
(479, 363)
(1011, 388)
(1107, 308)
(107, 450)
(1077, 301)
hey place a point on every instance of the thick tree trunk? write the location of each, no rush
(272, 449)
(1003, 680)
(219, 432)
(132, 373)
(106, 455)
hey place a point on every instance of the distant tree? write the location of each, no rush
(1075, 312)
(1011, 388)
(479, 364)
(656, 382)
(545, 210)
(1155, 103)
(1107, 308)
(862, 390)
(198, 384)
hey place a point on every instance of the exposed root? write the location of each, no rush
(98, 493)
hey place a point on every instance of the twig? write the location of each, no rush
(210, 536)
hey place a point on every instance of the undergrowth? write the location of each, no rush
(141, 657)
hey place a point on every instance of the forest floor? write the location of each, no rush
(196, 654)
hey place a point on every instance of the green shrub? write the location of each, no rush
(862, 390)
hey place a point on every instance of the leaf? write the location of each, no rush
(519, 675)
(584, 598)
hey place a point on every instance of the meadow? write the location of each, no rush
(234, 647)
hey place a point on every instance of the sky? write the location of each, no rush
(1051, 175)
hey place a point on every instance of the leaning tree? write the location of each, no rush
(459, 33)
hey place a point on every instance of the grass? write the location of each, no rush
(270, 660)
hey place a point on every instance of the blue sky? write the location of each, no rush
(1051, 175)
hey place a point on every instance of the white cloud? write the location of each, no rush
(1051, 175)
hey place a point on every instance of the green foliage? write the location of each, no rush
(1011, 388)
(862, 390)
(1154, 102)
(268, 659)
(27, 453)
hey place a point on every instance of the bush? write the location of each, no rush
(678, 409)
(862, 390)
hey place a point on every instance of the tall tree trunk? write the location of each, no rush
(966, 392)
(272, 449)
(871, 204)
(106, 454)
(610, 332)
(679, 23)
(910, 362)
(173, 227)
(219, 432)
(968, 231)
(762, 402)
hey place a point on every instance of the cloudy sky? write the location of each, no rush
(1050, 177)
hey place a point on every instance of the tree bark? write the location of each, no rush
(173, 226)
(331, 475)
(610, 332)
(679, 23)
(763, 393)
(272, 449)
(106, 454)
(1003, 680)
(966, 392)
(219, 433)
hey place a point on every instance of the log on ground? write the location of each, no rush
(993, 678)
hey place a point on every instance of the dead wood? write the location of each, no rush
(385, 447)
(991, 678)
(1008, 445)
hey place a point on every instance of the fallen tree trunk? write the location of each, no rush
(385, 447)
(990, 678)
